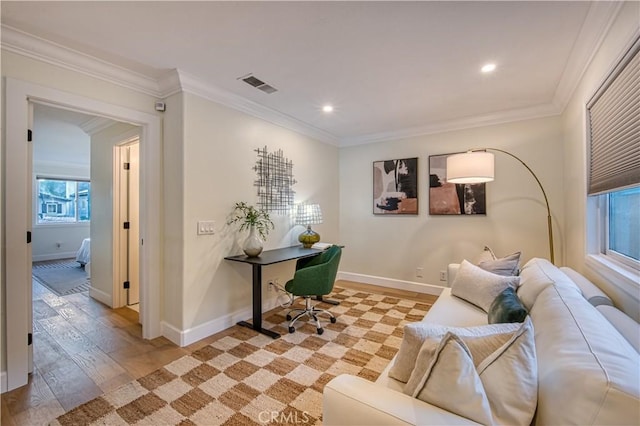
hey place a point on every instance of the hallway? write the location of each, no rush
(81, 349)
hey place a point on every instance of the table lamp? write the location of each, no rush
(477, 166)
(307, 215)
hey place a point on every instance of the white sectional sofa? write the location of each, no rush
(588, 371)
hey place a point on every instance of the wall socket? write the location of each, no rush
(419, 272)
(272, 284)
(443, 275)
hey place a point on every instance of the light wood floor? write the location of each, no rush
(83, 349)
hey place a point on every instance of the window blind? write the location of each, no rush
(614, 127)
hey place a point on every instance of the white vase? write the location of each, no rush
(252, 246)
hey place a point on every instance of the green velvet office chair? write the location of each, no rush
(313, 277)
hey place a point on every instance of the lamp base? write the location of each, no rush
(309, 237)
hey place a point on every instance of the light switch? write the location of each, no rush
(206, 227)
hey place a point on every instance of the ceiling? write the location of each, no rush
(390, 69)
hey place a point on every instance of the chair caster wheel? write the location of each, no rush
(333, 320)
(288, 317)
(292, 330)
(320, 330)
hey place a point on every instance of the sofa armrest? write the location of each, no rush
(350, 400)
(452, 270)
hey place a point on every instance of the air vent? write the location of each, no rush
(258, 84)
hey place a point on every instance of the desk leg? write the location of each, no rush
(257, 304)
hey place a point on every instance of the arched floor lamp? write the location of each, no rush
(478, 166)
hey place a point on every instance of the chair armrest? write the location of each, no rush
(350, 400)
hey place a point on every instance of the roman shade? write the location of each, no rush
(614, 127)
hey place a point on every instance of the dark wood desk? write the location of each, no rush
(268, 257)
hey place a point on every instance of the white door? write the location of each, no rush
(129, 222)
(18, 217)
(134, 221)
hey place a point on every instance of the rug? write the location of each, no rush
(64, 276)
(246, 378)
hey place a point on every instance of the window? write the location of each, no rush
(614, 160)
(63, 201)
(623, 226)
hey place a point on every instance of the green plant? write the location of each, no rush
(249, 216)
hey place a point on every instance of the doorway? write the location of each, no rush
(19, 95)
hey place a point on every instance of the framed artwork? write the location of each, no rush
(450, 198)
(395, 186)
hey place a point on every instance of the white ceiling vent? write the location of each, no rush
(258, 84)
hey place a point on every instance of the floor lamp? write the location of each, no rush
(477, 166)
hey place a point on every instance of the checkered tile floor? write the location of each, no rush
(246, 378)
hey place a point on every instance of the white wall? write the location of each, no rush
(59, 150)
(218, 156)
(394, 246)
(575, 157)
(102, 193)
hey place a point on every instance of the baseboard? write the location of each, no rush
(391, 283)
(199, 332)
(53, 256)
(3, 382)
(101, 296)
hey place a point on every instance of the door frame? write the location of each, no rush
(18, 94)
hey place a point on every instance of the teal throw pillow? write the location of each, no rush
(507, 307)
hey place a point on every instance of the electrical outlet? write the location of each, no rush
(443, 275)
(272, 284)
(206, 227)
(419, 272)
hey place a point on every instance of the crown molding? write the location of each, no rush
(600, 18)
(25, 44)
(195, 86)
(500, 117)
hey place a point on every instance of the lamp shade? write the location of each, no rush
(470, 167)
(308, 214)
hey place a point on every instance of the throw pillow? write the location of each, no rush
(507, 266)
(506, 364)
(507, 307)
(450, 381)
(480, 287)
(486, 255)
(415, 334)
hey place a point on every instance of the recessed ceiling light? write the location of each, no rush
(327, 108)
(488, 67)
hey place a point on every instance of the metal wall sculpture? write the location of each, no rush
(274, 181)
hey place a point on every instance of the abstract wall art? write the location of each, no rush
(395, 186)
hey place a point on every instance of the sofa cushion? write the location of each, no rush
(538, 274)
(507, 266)
(626, 325)
(416, 333)
(505, 362)
(507, 307)
(589, 290)
(587, 371)
(449, 380)
(480, 287)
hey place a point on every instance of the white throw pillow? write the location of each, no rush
(415, 334)
(451, 382)
(480, 287)
(504, 361)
